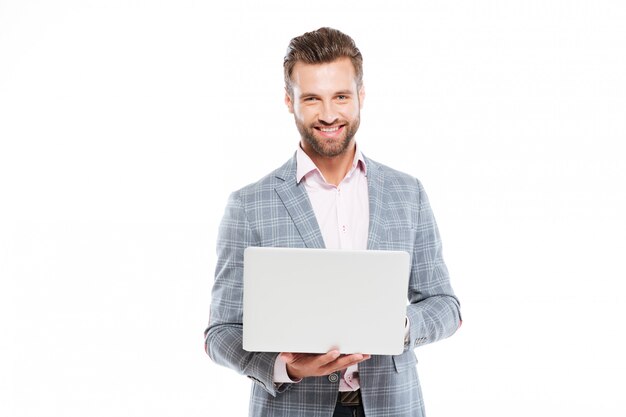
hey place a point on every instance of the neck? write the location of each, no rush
(333, 168)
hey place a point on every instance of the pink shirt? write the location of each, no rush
(342, 213)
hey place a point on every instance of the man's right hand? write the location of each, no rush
(302, 365)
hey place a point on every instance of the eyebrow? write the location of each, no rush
(341, 92)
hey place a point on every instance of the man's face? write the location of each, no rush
(326, 106)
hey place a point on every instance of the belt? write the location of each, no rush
(349, 398)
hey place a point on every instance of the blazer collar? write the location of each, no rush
(375, 190)
(298, 205)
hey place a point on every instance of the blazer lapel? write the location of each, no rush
(375, 189)
(298, 205)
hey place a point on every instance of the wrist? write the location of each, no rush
(280, 372)
(292, 373)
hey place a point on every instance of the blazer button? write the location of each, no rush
(333, 377)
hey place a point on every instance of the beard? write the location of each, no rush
(329, 147)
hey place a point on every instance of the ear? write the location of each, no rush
(361, 96)
(288, 101)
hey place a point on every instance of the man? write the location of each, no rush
(330, 195)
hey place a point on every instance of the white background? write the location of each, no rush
(124, 125)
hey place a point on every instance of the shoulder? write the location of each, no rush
(394, 179)
(265, 186)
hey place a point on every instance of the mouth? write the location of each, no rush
(330, 131)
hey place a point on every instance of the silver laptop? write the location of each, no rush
(315, 300)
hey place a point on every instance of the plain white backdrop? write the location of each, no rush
(124, 125)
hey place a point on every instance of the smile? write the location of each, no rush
(330, 130)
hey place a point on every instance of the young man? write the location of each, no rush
(330, 195)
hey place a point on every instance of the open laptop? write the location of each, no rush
(315, 300)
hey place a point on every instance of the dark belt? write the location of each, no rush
(349, 398)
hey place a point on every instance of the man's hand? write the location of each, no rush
(301, 365)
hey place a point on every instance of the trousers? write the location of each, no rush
(348, 411)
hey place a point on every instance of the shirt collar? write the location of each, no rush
(305, 165)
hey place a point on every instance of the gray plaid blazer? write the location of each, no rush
(276, 211)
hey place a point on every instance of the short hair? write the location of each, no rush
(322, 46)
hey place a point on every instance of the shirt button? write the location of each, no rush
(333, 377)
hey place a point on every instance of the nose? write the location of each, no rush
(328, 113)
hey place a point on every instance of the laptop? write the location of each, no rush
(316, 300)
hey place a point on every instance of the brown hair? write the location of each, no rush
(320, 47)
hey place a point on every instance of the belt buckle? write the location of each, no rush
(350, 398)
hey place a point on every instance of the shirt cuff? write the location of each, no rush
(280, 372)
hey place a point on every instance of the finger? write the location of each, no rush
(325, 359)
(290, 357)
(349, 360)
(354, 357)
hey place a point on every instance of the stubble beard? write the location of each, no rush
(329, 147)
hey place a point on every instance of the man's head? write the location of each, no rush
(324, 90)
(322, 46)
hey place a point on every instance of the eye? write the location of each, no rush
(342, 97)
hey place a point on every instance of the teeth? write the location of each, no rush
(330, 129)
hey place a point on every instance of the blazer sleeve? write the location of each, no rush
(433, 310)
(224, 334)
